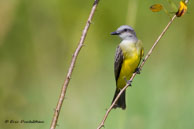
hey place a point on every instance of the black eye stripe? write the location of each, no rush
(126, 30)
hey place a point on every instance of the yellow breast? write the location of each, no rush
(131, 60)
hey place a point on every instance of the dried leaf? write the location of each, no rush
(156, 7)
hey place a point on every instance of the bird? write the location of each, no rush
(127, 58)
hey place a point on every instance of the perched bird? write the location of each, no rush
(128, 56)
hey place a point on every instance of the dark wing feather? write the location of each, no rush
(118, 62)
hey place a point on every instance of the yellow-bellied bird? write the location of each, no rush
(128, 56)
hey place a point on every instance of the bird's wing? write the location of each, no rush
(140, 46)
(142, 49)
(118, 62)
(142, 53)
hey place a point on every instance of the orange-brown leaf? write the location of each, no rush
(156, 7)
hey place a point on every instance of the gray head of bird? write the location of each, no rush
(125, 32)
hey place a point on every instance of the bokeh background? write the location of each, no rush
(38, 38)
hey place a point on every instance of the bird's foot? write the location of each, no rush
(129, 82)
(137, 70)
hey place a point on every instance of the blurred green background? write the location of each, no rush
(38, 38)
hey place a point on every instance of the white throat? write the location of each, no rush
(128, 44)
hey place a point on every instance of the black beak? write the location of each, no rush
(114, 33)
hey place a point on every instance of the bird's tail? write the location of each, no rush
(121, 101)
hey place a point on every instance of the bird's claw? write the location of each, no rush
(129, 82)
(137, 70)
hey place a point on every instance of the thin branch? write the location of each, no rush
(74, 57)
(134, 74)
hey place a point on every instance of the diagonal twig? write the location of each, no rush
(73, 61)
(134, 74)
